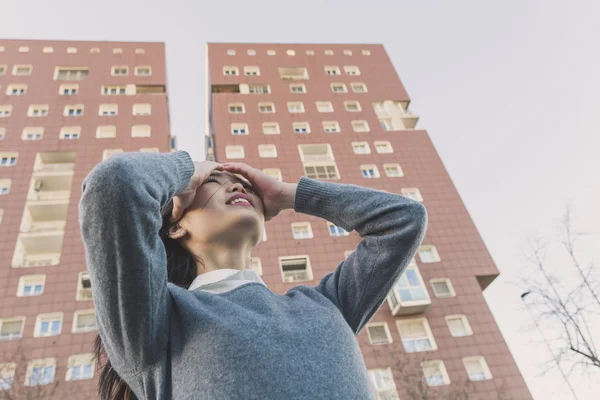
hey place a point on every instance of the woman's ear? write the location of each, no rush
(176, 231)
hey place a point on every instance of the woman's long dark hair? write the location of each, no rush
(181, 270)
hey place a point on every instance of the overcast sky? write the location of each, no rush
(508, 90)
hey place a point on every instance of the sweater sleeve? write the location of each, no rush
(391, 227)
(119, 215)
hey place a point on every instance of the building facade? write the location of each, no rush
(340, 113)
(64, 106)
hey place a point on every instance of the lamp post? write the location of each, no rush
(537, 326)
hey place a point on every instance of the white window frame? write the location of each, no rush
(267, 151)
(42, 109)
(75, 107)
(412, 193)
(141, 131)
(52, 317)
(331, 126)
(448, 282)
(72, 73)
(8, 320)
(109, 109)
(290, 52)
(378, 325)
(236, 106)
(5, 185)
(263, 107)
(394, 298)
(71, 50)
(117, 68)
(386, 124)
(428, 335)
(32, 133)
(434, 253)
(383, 382)
(139, 109)
(355, 85)
(465, 322)
(351, 70)
(27, 67)
(5, 110)
(324, 106)
(31, 281)
(2, 69)
(342, 85)
(8, 158)
(328, 52)
(40, 363)
(336, 230)
(357, 145)
(106, 132)
(366, 52)
(83, 293)
(109, 152)
(393, 165)
(68, 87)
(297, 127)
(347, 52)
(117, 51)
(350, 104)
(113, 90)
(387, 147)
(259, 88)
(251, 52)
(485, 374)
(7, 375)
(239, 129)
(307, 225)
(251, 70)
(74, 132)
(332, 70)
(230, 149)
(231, 52)
(256, 265)
(309, 273)
(295, 107)
(139, 68)
(87, 328)
(16, 89)
(439, 364)
(231, 70)
(300, 86)
(271, 128)
(81, 361)
(366, 167)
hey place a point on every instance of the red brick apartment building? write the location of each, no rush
(64, 106)
(340, 113)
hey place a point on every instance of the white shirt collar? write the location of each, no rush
(224, 280)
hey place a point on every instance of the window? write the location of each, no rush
(270, 128)
(295, 268)
(332, 70)
(84, 321)
(80, 366)
(231, 52)
(68, 89)
(416, 335)
(256, 265)
(351, 70)
(143, 71)
(40, 372)
(149, 150)
(477, 368)
(7, 375)
(70, 74)
(142, 109)
(393, 170)
(234, 152)
(301, 127)
(140, 131)
(117, 51)
(108, 109)
(338, 88)
(2, 69)
(435, 373)
(293, 73)
(442, 287)
(5, 111)
(106, 132)
(297, 88)
(259, 89)
(358, 87)
(412, 193)
(48, 324)
(73, 110)
(113, 90)
(251, 70)
(384, 384)
(120, 70)
(8, 159)
(324, 106)
(95, 50)
(369, 171)
(366, 52)
(16, 89)
(290, 52)
(347, 52)
(409, 294)
(230, 70)
(237, 108)
(21, 70)
(11, 328)
(352, 106)
(331, 126)
(266, 108)
(5, 186)
(361, 148)
(310, 52)
(271, 52)
(140, 51)
(386, 124)
(251, 52)
(379, 333)
(71, 50)
(302, 230)
(383, 146)
(32, 133)
(84, 287)
(48, 50)
(109, 152)
(318, 161)
(267, 150)
(70, 132)
(328, 52)
(335, 230)
(37, 110)
(239, 129)
(428, 254)
(23, 49)
(295, 107)
(458, 325)
(2, 133)
(274, 172)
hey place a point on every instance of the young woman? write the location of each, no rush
(181, 315)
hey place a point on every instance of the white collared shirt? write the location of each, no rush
(224, 280)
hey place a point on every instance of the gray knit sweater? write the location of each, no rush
(249, 343)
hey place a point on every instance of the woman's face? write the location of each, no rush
(215, 215)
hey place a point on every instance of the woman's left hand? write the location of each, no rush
(275, 195)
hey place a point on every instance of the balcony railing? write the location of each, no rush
(49, 195)
(44, 226)
(58, 167)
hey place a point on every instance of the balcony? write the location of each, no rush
(394, 115)
(50, 186)
(38, 249)
(293, 73)
(57, 161)
(225, 88)
(409, 294)
(44, 216)
(409, 119)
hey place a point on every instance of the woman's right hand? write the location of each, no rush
(180, 202)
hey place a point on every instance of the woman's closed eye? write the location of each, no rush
(246, 185)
